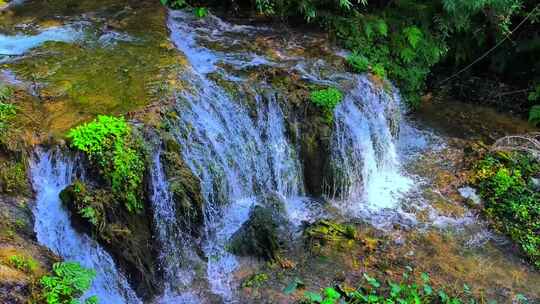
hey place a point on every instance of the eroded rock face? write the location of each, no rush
(127, 236)
(18, 284)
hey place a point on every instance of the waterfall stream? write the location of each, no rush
(51, 172)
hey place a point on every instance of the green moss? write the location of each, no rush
(28, 265)
(505, 181)
(330, 231)
(109, 144)
(13, 178)
(255, 281)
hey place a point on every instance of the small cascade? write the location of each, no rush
(51, 172)
(176, 256)
(364, 151)
(236, 157)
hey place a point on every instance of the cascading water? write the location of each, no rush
(364, 150)
(51, 173)
(235, 157)
(176, 255)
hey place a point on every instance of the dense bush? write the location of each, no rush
(506, 184)
(109, 144)
(407, 291)
(68, 282)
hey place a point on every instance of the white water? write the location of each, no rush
(51, 173)
(235, 157)
(17, 45)
(364, 152)
(176, 256)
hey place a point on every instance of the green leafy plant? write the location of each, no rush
(358, 63)
(7, 113)
(25, 264)
(200, 12)
(534, 115)
(175, 4)
(373, 291)
(327, 99)
(505, 183)
(5, 93)
(108, 143)
(68, 283)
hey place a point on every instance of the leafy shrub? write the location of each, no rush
(534, 115)
(200, 12)
(108, 143)
(405, 292)
(27, 265)
(68, 282)
(358, 63)
(175, 4)
(504, 182)
(327, 99)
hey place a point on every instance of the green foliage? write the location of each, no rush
(7, 113)
(68, 282)
(175, 4)
(27, 265)
(200, 12)
(373, 291)
(534, 115)
(505, 184)
(358, 63)
(108, 143)
(13, 178)
(5, 93)
(255, 281)
(534, 95)
(327, 99)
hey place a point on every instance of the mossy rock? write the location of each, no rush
(184, 186)
(126, 235)
(263, 235)
(325, 232)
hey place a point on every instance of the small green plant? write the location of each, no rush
(108, 143)
(358, 63)
(13, 178)
(255, 281)
(68, 283)
(175, 4)
(373, 291)
(534, 95)
(200, 12)
(327, 99)
(7, 113)
(27, 265)
(5, 93)
(534, 115)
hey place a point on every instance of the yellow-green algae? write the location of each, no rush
(78, 81)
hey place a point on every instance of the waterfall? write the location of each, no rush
(51, 172)
(235, 157)
(176, 256)
(364, 150)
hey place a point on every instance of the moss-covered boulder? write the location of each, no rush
(263, 235)
(184, 186)
(126, 235)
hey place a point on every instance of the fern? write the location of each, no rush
(534, 115)
(68, 282)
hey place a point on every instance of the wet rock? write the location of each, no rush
(264, 235)
(184, 186)
(126, 235)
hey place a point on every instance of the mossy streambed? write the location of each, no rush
(128, 58)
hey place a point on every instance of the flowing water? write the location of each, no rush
(51, 173)
(241, 150)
